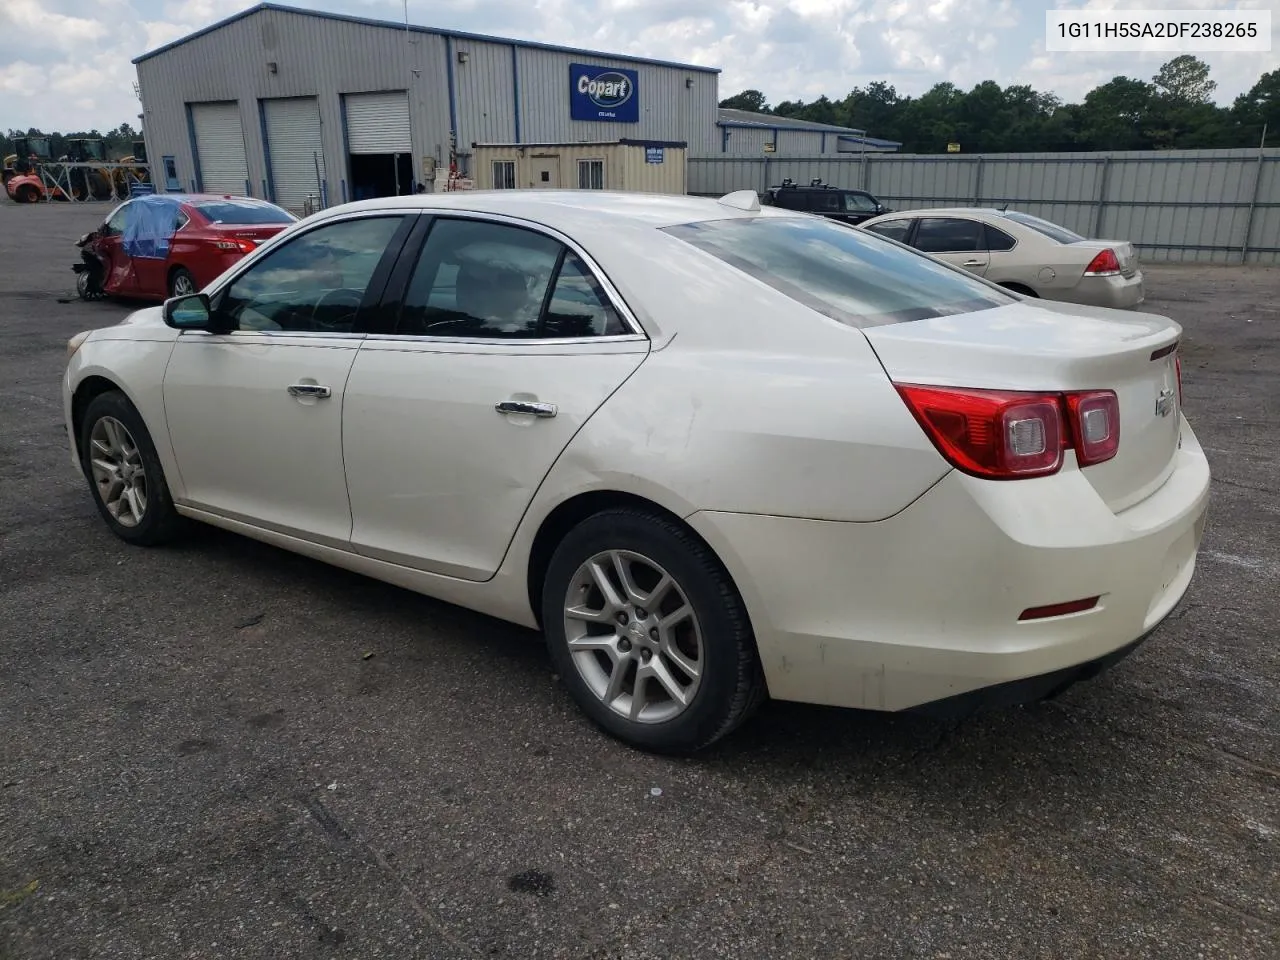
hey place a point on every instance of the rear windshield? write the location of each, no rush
(1050, 230)
(846, 274)
(240, 212)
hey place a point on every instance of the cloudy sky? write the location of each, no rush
(65, 64)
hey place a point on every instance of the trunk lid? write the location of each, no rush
(1059, 348)
(258, 232)
(1124, 252)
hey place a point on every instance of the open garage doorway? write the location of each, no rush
(379, 150)
(380, 175)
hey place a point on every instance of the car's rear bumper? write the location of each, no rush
(925, 605)
(1118, 292)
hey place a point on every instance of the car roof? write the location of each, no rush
(945, 211)
(569, 209)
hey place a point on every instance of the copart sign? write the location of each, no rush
(608, 94)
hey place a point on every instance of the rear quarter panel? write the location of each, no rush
(754, 404)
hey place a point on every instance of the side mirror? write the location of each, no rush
(191, 312)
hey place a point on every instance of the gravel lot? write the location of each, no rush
(223, 750)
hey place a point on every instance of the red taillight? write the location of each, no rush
(991, 433)
(1095, 419)
(1059, 609)
(1105, 264)
(1000, 435)
(237, 246)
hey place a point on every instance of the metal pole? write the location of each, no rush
(765, 188)
(1253, 202)
(1102, 196)
(977, 183)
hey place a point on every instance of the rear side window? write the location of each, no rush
(476, 279)
(844, 274)
(998, 240)
(893, 229)
(789, 200)
(948, 235)
(240, 212)
(822, 201)
(1050, 230)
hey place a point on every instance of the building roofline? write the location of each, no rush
(871, 141)
(414, 28)
(733, 117)
(566, 144)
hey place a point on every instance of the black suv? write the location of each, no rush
(849, 206)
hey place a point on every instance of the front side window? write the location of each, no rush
(948, 235)
(893, 229)
(848, 275)
(476, 279)
(314, 283)
(859, 203)
(504, 174)
(590, 174)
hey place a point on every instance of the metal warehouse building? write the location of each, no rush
(284, 103)
(288, 104)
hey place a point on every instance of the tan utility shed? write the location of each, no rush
(646, 166)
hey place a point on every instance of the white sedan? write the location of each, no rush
(1022, 253)
(715, 452)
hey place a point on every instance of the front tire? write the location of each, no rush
(26, 194)
(647, 630)
(124, 473)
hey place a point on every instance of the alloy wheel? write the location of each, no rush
(118, 471)
(183, 285)
(633, 636)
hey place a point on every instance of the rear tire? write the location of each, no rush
(181, 282)
(673, 624)
(119, 460)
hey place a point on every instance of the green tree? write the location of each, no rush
(1185, 79)
(1259, 107)
(752, 100)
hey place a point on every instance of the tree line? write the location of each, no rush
(1174, 110)
(118, 142)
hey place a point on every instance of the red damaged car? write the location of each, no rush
(167, 245)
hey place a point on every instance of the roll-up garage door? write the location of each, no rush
(297, 158)
(220, 147)
(378, 122)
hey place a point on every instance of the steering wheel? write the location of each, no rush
(336, 309)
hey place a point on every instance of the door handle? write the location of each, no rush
(973, 263)
(527, 407)
(315, 390)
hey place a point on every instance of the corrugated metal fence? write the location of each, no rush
(1210, 206)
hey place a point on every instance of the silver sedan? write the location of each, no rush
(1023, 253)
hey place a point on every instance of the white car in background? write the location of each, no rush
(713, 451)
(1023, 253)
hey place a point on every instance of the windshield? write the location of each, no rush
(1050, 230)
(849, 275)
(241, 212)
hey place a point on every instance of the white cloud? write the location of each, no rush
(66, 63)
